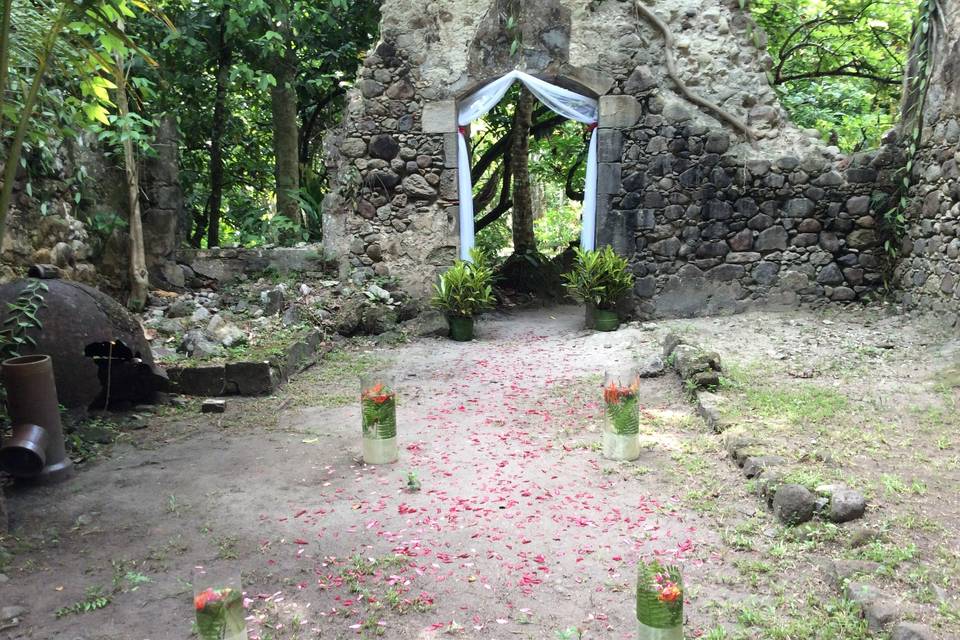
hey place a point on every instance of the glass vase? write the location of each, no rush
(621, 439)
(218, 604)
(378, 410)
(660, 594)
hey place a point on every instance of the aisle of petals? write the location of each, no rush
(514, 517)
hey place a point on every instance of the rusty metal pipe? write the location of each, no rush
(32, 405)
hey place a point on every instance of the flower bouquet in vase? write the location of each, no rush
(659, 602)
(218, 602)
(621, 440)
(378, 408)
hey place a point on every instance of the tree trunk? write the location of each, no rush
(4, 53)
(139, 278)
(523, 238)
(12, 160)
(283, 98)
(220, 115)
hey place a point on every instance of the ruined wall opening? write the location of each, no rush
(526, 166)
(716, 208)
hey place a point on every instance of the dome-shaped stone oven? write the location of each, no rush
(75, 316)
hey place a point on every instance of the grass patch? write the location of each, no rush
(800, 403)
(888, 554)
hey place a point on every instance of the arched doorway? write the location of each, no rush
(565, 102)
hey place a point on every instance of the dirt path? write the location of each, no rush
(520, 530)
(520, 527)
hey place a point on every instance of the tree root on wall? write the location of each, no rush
(724, 115)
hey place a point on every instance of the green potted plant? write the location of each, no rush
(464, 290)
(599, 279)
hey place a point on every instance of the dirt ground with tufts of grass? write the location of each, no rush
(520, 529)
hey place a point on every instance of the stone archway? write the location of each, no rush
(708, 222)
(562, 101)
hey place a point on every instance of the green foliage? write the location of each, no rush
(21, 318)
(82, 39)
(95, 599)
(559, 226)
(495, 237)
(838, 66)
(328, 39)
(598, 277)
(466, 288)
(557, 166)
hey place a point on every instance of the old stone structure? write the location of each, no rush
(710, 221)
(929, 269)
(50, 223)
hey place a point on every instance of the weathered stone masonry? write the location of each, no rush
(712, 232)
(928, 272)
(710, 223)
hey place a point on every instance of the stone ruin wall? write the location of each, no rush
(711, 224)
(928, 273)
(46, 224)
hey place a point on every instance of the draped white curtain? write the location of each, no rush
(568, 104)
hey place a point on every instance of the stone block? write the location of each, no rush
(211, 405)
(596, 81)
(250, 378)
(912, 631)
(207, 380)
(608, 178)
(646, 220)
(451, 150)
(793, 504)
(619, 112)
(609, 145)
(618, 231)
(439, 117)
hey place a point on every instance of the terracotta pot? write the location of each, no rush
(33, 407)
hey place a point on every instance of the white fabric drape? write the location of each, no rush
(564, 102)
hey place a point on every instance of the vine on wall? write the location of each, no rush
(927, 29)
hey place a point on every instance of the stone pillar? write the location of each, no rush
(165, 220)
(614, 228)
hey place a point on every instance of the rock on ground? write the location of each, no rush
(793, 504)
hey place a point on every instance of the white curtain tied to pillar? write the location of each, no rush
(566, 103)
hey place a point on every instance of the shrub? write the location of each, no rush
(598, 277)
(466, 288)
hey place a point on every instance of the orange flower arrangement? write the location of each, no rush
(660, 597)
(377, 394)
(669, 593)
(613, 393)
(378, 408)
(220, 614)
(206, 597)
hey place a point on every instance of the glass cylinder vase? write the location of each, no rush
(218, 604)
(378, 410)
(621, 439)
(660, 596)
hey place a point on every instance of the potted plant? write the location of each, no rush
(599, 279)
(464, 290)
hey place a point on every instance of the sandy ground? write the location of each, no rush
(520, 529)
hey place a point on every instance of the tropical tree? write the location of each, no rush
(838, 66)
